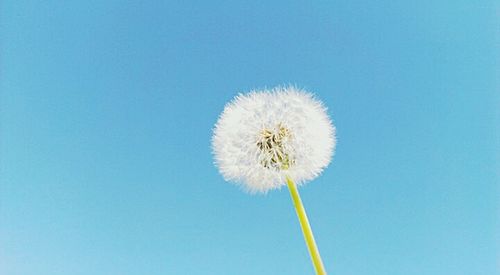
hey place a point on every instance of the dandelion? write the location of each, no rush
(266, 139)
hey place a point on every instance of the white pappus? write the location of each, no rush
(265, 135)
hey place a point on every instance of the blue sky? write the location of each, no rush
(107, 108)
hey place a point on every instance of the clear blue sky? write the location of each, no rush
(107, 109)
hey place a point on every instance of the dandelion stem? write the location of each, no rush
(306, 228)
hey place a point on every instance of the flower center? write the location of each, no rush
(274, 147)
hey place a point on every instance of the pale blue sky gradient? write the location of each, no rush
(107, 108)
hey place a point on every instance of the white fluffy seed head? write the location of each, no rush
(263, 136)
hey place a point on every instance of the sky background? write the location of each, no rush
(106, 115)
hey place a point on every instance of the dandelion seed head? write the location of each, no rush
(263, 136)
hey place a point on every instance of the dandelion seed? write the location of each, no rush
(263, 136)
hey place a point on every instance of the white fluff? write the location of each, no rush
(306, 142)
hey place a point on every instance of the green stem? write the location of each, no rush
(306, 228)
